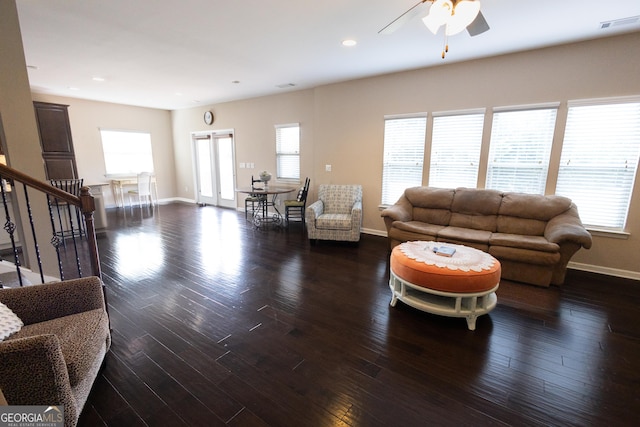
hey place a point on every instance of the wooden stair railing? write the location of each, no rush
(58, 202)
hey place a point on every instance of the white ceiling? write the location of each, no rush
(184, 53)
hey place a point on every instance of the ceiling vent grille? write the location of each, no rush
(618, 22)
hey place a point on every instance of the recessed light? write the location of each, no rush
(235, 82)
(98, 79)
(349, 42)
(285, 85)
(32, 67)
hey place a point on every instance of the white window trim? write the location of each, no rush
(540, 106)
(611, 232)
(289, 180)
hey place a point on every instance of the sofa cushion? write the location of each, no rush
(334, 221)
(533, 206)
(537, 243)
(523, 226)
(460, 234)
(9, 322)
(476, 202)
(418, 227)
(527, 256)
(81, 338)
(430, 197)
(474, 222)
(432, 216)
(475, 209)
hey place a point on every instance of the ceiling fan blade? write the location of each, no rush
(478, 26)
(402, 19)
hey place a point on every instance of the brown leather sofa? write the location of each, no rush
(532, 236)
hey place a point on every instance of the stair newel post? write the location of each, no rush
(88, 206)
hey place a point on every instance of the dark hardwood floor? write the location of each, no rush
(217, 323)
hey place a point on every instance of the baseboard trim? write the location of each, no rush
(374, 232)
(615, 272)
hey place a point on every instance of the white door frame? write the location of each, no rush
(212, 136)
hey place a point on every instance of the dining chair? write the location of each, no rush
(63, 214)
(295, 209)
(252, 200)
(143, 189)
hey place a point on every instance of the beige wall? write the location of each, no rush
(88, 117)
(343, 123)
(252, 122)
(19, 134)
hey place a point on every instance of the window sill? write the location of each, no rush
(613, 234)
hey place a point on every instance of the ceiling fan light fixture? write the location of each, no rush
(439, 13)
(463, 14)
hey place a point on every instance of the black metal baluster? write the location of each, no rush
(33, 233)
(55, 240)
(10, 228)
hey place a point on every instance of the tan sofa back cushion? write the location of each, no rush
(528, 214)
(430, 205)
(476, 209)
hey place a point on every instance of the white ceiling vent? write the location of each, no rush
(618, 22)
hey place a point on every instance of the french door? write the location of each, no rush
(215, 169)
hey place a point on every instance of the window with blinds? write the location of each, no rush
(520, 149)
(403, 161)
(288, 151)
(455, 150)
(599, 160)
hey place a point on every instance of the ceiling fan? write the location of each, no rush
(454, 15)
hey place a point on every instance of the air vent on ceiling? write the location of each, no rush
(618, 22)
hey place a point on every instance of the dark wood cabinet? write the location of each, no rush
(55, 140)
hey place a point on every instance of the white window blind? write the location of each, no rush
(455, 150)
(288, 151)
(599, 161)
(520, 148)
(126, 152)
(403, 160)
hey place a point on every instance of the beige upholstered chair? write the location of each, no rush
(337, 214)
(57, 353)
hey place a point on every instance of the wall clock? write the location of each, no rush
(208, 117)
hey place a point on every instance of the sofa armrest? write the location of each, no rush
(567, 227)
(402, 210)
(34, 372)
(39, 303)
(356, 215)
(314, 210)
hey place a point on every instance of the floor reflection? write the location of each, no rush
(138, 254)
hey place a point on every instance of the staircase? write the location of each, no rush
(48, 233)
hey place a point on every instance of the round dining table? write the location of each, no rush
(263, 192)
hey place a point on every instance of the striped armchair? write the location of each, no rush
(337, 214)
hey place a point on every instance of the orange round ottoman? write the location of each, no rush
(461, 285)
